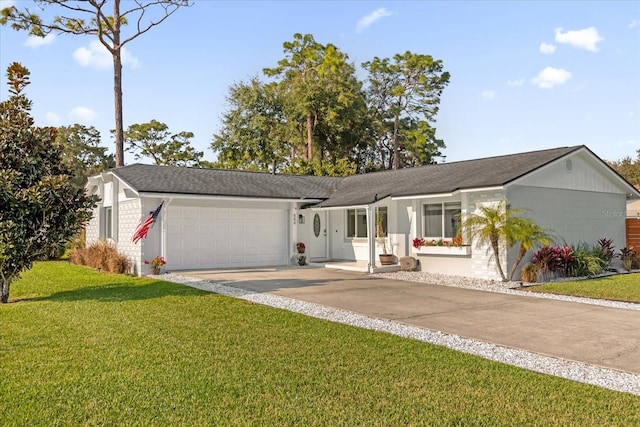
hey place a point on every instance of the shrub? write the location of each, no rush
(607, 248)
(587, 261)
(530, 273)
(103, 256)
(628, 255)
(548, 260)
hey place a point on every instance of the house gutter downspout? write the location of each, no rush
(371, 232)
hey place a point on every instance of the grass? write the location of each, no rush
(79, 347)
(619, 287)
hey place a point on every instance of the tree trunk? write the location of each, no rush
(4, 292)
(117, 85)
(521, 254)
(396, 145)
(309, 153)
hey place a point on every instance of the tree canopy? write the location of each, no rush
(91, 17)
(82, 151)
(312, 115)
(404, 94)
(628, 168)
(153, 140)
(40, 206)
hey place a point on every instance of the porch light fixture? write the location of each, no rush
(300, 219)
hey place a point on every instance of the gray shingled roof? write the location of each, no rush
(441, 178)
(350, 191)
(216, 182)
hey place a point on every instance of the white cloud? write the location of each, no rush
(633, 23)
(582, 39)
(488, 95)
(550, 77)
(7, 3)
(516, 83)
(371, 18)
(547, 49)
(36, 42)
(97, 56)
(52, 118)
(83, 114)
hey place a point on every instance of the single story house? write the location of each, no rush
(227, 219)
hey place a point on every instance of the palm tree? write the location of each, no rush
(528, 234)
(491, 225)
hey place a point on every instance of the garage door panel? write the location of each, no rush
(225, 237)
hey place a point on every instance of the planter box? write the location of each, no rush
(443, 250)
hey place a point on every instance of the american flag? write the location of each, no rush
(144, 226)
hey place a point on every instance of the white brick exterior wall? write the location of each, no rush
(483, 264)
(92, 228)
(129, 215)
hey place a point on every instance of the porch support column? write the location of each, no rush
(371, 236)
(415, 225)
(115, 212)
(293, 231)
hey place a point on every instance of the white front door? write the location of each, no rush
(318, 246)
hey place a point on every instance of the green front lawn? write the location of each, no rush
(82, 348)
(620, 287)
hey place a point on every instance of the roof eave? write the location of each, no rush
(164, 195)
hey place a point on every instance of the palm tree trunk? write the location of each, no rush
(496, 253)
(521, 254)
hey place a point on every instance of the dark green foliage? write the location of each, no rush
(153, 140)
(628, 168)
(314, 116)
(40, 207)
(83, 153)
(404, 95)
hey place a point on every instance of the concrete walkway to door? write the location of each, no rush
(596, 335)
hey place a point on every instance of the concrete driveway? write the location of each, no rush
(586, 333)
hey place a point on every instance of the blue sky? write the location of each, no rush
(524, 75)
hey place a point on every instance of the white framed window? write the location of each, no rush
(357, 222)
(441, 220)
(107, 225)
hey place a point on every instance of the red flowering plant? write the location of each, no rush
(156, 262)
(300, 247)
(454, 242)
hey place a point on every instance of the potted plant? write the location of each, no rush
(627, 255)
(300, 247)
(302, 259)
(385, 257)
(156, 263)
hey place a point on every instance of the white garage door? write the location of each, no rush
(225, 237)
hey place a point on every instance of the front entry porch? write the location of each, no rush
(359, 266)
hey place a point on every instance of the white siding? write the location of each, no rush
(579, 172)
(575, 216)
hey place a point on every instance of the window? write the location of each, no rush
(441, 220)
(357, 221)
(108, 223)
